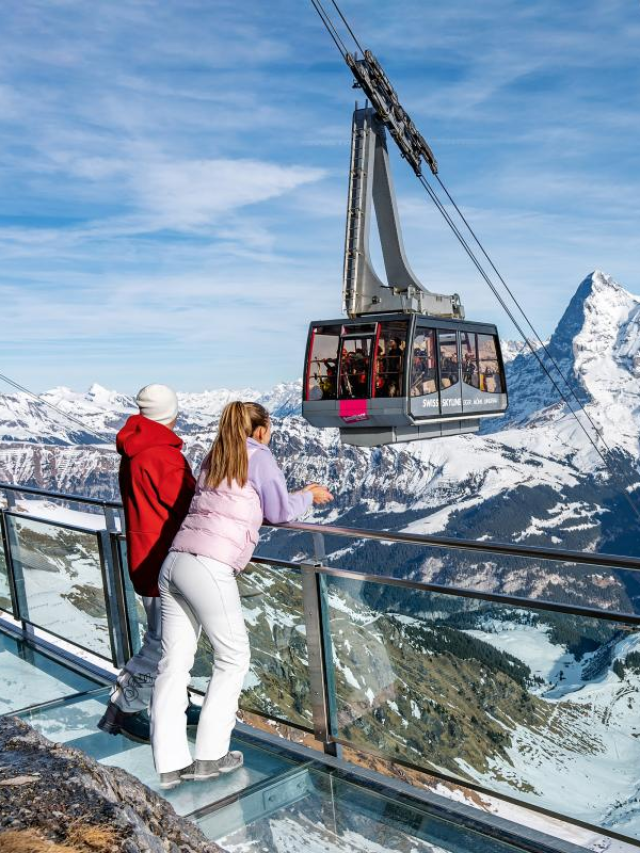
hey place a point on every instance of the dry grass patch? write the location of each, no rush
(81, 838)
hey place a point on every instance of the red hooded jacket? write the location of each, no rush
(156, 485)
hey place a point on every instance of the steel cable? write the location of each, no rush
(537, 337)
(474, 259)
(330, 27)
(71, 418)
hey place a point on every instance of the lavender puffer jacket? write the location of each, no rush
(224, 523)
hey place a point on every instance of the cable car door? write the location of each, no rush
(449, 372)
(423, 390)
(354, 372)
(483, 381)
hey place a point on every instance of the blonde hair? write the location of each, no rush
(228, 456)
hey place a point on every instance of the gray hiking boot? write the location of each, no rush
(210, 769)
(175, 777)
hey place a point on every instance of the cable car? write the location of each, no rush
(383, 379)
(406, 364)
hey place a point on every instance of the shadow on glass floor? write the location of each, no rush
(274, 804)
(30, 677)
(74, 724)
(313, 810)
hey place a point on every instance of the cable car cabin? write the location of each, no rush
(389, 378)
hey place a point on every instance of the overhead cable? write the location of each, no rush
(106, 439)
(330, 27)
(542, 344)
(348, 26)
(535, 350)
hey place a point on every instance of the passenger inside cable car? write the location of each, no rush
(449, 367)
(322, 373)
(390, 359)
(423, 370)
(354, 369)
(480, 363)
(368, 361)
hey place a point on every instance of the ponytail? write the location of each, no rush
(228, 458)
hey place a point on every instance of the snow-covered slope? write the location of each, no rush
(531, 476)
(596, 347)
(544, 710)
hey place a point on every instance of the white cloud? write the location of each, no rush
(172, 166)
(189, 194)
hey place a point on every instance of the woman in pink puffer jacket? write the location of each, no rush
(239, 485)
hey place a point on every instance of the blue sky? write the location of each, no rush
(173, 174)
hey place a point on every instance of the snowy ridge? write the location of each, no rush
(464, 485)
(603, 730)
(596, 345)
(546, 711)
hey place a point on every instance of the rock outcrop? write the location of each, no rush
(64, 796)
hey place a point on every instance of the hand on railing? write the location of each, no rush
(321, 495)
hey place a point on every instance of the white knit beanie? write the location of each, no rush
(158, 403)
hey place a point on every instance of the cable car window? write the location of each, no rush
(390, 358)
(322, 368)
(469, 353)
(449, 365)
(359, 329)
(423, 366)
(355, 360)
(491, 378)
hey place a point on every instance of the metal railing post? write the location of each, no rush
(114, 595)
(110, 517)
(116, 524)
(17, 588)
(319, 550)
(8, 561)
(319, 658)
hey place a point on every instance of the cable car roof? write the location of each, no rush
(434, 322)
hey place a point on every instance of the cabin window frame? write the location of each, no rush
(313, 334)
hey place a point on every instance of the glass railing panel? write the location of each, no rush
(136, 617)
(597, 586)
(59, 576)
(30, 677)
(541, 706)
(5, 589)
(313, 810)
(277, 684)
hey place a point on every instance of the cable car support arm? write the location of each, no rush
(370, 183)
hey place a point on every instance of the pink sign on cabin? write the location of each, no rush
(353, 410)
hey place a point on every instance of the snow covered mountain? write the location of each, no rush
(534, 704)
(532, 476)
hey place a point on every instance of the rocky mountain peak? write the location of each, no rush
(597, 310)
(592, 305)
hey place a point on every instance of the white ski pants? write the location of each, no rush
(134, 684)
(197, 592)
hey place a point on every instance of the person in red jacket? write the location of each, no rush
(156, 484)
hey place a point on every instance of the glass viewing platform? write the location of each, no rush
(395, 701)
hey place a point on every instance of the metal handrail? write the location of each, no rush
(314, 573)
(552, 554)
(556, 555)
(518, 601)
(544, 604)
(54, 522)
(32, 490)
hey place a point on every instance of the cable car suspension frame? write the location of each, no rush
(369, 75)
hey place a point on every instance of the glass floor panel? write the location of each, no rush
(274, 804)
(30, 677)
(314, 811)
(74, 724)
